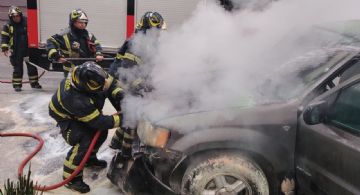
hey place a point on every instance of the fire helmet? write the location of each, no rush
(14, 11)
(89, 77)
(78, 15)
(150, 20)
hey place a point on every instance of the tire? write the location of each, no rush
(227, 173)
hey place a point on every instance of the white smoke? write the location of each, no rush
(216, 56)
(250, 4)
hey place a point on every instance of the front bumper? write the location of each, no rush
(137, 178)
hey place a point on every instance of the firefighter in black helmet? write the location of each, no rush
(14, 43)
(74, 42)
(77, 108)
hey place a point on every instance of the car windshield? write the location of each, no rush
(293, 79)
(319, 48)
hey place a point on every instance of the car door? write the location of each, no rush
(328, 153)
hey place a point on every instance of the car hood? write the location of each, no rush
(237, 116)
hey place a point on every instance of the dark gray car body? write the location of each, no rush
(272, 135)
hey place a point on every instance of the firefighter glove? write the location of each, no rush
(56, 56)
(120, 95)
(120, 117)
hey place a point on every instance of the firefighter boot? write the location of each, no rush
(116, 145)
(36, 85)
(95, 162)
(17, 88)
(78, 185)
(116, 141)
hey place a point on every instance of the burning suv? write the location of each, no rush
(308, 130)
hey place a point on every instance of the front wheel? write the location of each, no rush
(228, 173)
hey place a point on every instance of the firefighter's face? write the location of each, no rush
(80, 25)
(16, 18)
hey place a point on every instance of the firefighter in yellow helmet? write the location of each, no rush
(14, 43)
(77, 108)
(74, 42)
(126, 59)
(150, 20)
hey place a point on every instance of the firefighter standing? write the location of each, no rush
(14, 42)
(77, 108)
(134, 78)
(123, 137)
(125, 57)
(74, 42)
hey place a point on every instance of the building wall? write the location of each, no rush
(4, 7)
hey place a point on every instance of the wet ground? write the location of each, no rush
(27, 111)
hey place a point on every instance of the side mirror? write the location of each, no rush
(315, 113)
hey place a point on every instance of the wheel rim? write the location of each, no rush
(224, 184)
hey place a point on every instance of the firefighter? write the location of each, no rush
(123, 137)
(125, 57)
(14, 43)
(77, 108)
(74, 42)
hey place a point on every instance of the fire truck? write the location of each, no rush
(111, 21)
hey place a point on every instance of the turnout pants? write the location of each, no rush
(123, 139)
(18, 72)
(79, 136)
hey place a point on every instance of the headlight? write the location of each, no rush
(155, 137)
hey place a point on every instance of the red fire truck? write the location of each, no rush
(111, 21)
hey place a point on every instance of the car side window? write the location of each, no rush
(346, 74)
(345, 112)
(350, 72)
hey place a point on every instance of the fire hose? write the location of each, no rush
(38, 148)
(26, 59)
(9, 82)
(88, 59)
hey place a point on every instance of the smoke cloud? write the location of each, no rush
(218, 57)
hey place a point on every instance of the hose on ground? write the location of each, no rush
(38, 148)
(28, 81)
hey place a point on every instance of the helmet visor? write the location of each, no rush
(83, 18)
(156, 20)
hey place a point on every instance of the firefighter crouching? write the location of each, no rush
(74, 42)
(14, 42)
(77, 108)
(123, 137)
